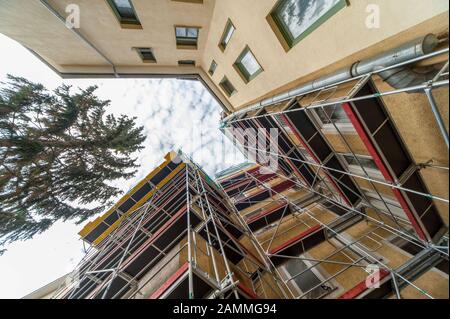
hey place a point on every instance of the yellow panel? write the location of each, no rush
(93, 224)
(137, 205)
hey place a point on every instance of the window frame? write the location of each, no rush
(329, 127)
(125, 22)
(223, 45)
(394, 206)
(240, 68)
(212, 69)
(221, 84)
(139, 51)
(282, 31)
(186, 63)
(356, 169)
(317, 270)
(187, 46)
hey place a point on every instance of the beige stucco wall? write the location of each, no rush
(345, 35)
(30, 23)
(343, 38)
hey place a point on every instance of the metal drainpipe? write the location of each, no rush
(80, 35)
(411, 50)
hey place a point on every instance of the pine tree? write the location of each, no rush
(58, 150)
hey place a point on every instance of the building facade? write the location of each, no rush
(358, 93)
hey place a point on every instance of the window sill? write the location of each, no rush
(187, 47)
(131, 26)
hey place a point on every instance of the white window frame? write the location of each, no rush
(318, 272)
(329, 127)
(394, 206)
(357, 170)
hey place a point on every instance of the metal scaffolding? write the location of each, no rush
(308, 160)
(185, 241)
(187, 236)
(350, 247)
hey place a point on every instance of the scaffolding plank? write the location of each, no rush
(362, 287)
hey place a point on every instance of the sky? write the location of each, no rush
(176, 114)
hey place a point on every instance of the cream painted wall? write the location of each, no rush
(338, 38)
(341, 40)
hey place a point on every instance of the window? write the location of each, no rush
(283, 123)
(310, 280)
(186, 62)
(293, 20)
(366, 161)
(247, 65)
(332, 114)
(146, 55)
(328, 115)
(187, 37)
(212, 68)
(226, 85)
(392, 205)
(124, 11)
(306, 155)
(226, 36)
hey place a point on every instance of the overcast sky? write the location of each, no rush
(175, 114)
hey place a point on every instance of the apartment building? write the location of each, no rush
(242, 50)
(357, 90)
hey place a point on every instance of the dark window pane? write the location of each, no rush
(307, 280)
(186, 35)
(213, 67)
(147, 54)
(227, 86)
(186, 62)
(125, 9)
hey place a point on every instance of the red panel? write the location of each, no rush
(311, 153)
(277, 188)
(296, 239)
(247, 291)
(158, 293)
(265, 212)
(382, 167)
(361, 287)
(283, 186)
(260, 177)
(250, 171)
